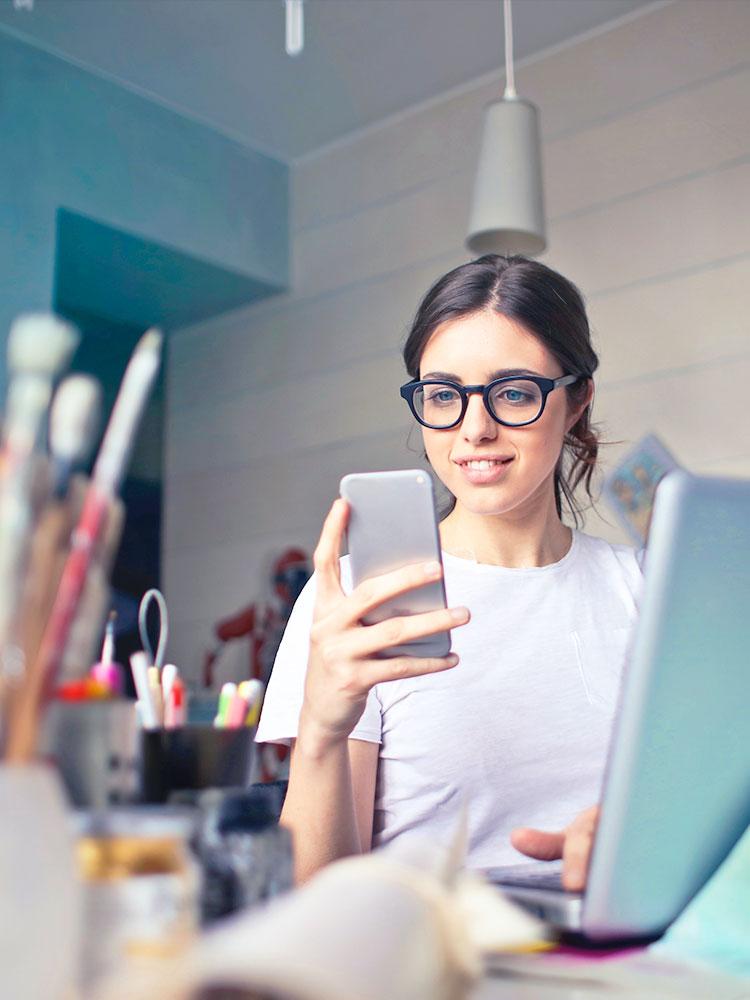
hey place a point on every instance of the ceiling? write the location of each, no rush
(223, 61)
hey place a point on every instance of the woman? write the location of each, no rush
(516, 721)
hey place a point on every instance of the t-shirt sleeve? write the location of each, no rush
(279, 719)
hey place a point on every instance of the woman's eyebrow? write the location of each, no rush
(505, 372)
(500, 373)
(447, 376)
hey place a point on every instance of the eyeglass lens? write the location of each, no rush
(516, 402)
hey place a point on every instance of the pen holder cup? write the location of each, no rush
(194, 757)
(96, 749)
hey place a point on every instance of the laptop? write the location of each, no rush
(676, 794)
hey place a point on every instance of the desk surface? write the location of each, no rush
(639, 978)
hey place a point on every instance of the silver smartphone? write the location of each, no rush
(392, 523)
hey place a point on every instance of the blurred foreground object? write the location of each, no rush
(81, 600)
(246, 856)
(39, 894)
(140, 889)
(374, 927)
(39, 349)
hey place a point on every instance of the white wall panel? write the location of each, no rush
(736, 467)
(691, 318)
(701, 413)
(290, 417)
(414, 150)
(413, 228)
(303, 487)
(697, 130)
(689, 224)
(254, 349)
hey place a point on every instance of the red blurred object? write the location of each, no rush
(83, 689)
(263, 623)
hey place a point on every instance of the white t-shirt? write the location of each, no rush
(520, 728)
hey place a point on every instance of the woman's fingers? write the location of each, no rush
(573, 845)
(579, 838)
(371, 593)
(372, 639)
(540, 844)
(326, 558)
(398, 667)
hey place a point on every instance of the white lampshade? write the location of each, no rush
(507, 214)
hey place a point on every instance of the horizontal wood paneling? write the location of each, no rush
(690, 318)
(255, 348)
(285, 489)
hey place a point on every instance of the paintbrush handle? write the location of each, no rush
(84, 635)
(42, 673)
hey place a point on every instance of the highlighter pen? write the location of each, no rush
(236, 712)
(252, 691)
(228, 691)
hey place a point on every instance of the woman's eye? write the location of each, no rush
(511, 395)
(442, 396)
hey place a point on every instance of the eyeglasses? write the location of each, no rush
(513, 401)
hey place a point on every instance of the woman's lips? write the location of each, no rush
(481, 472)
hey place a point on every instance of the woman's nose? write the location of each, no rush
(477, 424)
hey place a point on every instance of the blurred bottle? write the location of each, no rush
(245, 854)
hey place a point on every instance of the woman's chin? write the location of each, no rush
(500, 500)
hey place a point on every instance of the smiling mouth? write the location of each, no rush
(483, 464)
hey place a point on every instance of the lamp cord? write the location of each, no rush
(510, 81)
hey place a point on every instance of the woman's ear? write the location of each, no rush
(579, 406)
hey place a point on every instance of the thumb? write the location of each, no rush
(328, 592)
(538, 843)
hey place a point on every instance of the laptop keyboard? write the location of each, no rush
(535, 880)
(527, 877)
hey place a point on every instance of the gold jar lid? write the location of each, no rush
(110, 858)
(127, 843)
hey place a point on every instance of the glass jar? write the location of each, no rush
(141, 888)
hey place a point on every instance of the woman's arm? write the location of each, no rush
(329, 803)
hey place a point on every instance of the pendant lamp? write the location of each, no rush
(507, 213)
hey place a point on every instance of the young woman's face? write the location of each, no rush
(474, 350)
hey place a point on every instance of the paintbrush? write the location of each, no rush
(73, 426)
(39, 347)
(109, 469)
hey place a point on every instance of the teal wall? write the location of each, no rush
(93, 174)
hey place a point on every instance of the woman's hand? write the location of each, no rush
(342, 666)
(573, 845)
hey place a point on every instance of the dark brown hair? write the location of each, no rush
(548, 306)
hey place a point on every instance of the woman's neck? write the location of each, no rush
(525, 538)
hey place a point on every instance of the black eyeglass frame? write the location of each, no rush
(546, 386)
